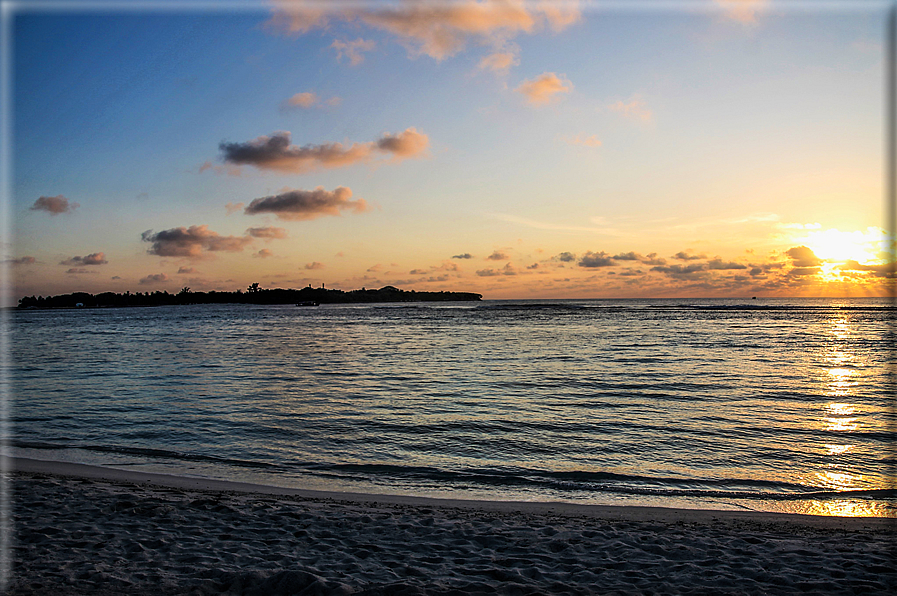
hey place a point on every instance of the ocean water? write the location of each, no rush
(773, 405)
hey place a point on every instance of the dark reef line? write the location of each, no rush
(307, 296)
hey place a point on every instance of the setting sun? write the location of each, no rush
(835, 245)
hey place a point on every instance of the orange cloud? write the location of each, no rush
(499, 62)
(409, 143)
(635, 109)
(590, 141)
(303, 100)
(544, 88)
(435, 29)
(743, 11)
(309, 99)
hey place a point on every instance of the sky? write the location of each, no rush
(714, 148)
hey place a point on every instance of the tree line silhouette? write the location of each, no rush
(253, 295)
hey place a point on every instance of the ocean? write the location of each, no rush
(768, 404)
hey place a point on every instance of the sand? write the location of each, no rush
(88, 530)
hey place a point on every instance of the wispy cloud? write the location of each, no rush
(539, 225)
(583, 140)
(499, 62)
(544, 88)
(743, 11)
(508, 269)
(233, 207)
(634, 108)
(309, 99)
(352, 50)
(275, 152)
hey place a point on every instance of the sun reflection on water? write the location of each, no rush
(840, 382)
(846, 508)
(839, 480)
(838, 449)
(840, 417)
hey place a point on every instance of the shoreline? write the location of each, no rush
(80, 529)
(619, 512)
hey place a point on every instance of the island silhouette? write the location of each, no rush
(307, 296)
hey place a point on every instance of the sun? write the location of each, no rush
(863, 246)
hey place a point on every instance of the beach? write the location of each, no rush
(89, 530)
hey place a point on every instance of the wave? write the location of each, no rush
(568, 483)
(608, 482)
(147, 452)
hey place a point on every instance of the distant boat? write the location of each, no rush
(307, 303)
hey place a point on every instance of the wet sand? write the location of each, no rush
(87, 530)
